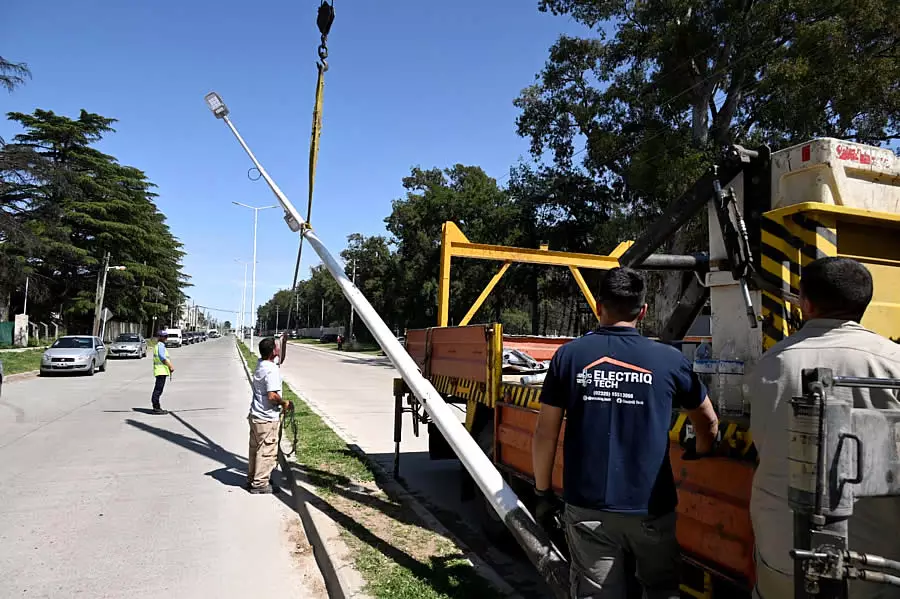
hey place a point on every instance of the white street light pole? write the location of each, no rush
(253, 292)
(102, 297)
(243, 300)
(533, 539)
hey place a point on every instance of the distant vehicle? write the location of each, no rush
(128, 345)
(75, 353)
(175, 338)
(189, 338)
(212, 333)
(204, 336)
(328, 338)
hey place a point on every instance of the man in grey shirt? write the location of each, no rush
(834, 295)
(265, 411)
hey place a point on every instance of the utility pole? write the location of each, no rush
(254, 313)
(323, 314)
(25, 307)
(98, 297)
(350, 332)
(277, 309)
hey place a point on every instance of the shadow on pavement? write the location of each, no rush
(448, 574)
(150, 411)
(378, 362)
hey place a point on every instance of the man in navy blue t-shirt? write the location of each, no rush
(617, 390)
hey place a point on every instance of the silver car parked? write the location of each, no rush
(75, 353)
(128, 345)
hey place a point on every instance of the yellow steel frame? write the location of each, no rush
(454, 244)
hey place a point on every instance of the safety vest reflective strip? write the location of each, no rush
(159, 368)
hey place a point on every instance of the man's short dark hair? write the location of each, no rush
(837, 287)
(266, 347)
(622, 293)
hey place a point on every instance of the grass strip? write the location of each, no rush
(22, 361)
(396, 556)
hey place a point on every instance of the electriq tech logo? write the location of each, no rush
(610, 380)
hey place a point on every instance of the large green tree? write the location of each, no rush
(482, 210)
(67, 205)
(13, 74)
(664, 83)
(645, 103)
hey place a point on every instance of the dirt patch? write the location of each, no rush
(303, 558)
(396, 555)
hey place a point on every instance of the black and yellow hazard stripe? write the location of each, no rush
(461, 388)
(790, 241)
(735, 435)
(521, 395)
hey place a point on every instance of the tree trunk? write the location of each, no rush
(4, 306)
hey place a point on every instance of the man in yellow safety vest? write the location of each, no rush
(162, 369)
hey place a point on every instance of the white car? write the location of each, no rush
(175, 339)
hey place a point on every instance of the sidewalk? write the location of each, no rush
(99, 498)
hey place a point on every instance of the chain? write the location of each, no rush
(324, 21)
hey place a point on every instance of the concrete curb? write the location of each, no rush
(342, 581)
(359, 356)
(386, 481)
(20, 376)
(396, 491)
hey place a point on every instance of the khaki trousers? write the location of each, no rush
(263, 456)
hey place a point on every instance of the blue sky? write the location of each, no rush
(411, 83)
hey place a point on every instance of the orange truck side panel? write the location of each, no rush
(713, 494)
(457, 352)
(539, 348)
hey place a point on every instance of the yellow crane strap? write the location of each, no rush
(324, 20)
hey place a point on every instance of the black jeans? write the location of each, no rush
(158, 389)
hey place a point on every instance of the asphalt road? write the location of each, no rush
(99, 498)
(353, 393)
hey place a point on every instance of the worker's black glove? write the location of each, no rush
(690, 450)
(546, 508)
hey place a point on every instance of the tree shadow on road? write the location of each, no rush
(383, 363)
(447, 574)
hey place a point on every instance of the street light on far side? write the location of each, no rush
(216, 105)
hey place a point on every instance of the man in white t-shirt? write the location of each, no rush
(265, 410)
